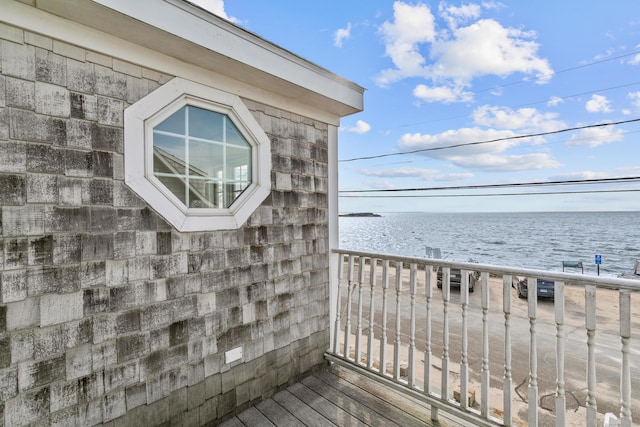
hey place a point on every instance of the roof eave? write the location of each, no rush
(191, 34)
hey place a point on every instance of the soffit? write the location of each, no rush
(186, 32)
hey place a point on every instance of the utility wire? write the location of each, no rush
(509, 185)
(579, 94)
(547, 144)
(553, 73)
(465, 144)
(575, 95)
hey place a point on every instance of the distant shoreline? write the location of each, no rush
(361, 214)
(367, 214)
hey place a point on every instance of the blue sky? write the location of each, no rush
(442, 74)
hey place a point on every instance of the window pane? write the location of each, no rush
(206, 159)
(203, 193)
(234, 137)
(174, 123)
(208, 165)
(237, 158)
(168, 154)
(205, 124)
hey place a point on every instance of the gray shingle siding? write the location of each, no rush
(106, 312)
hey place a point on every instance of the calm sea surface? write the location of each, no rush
(540, 240)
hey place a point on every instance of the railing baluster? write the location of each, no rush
(347, 326)
(403, 350)
(625, 372)
(383, 335)
(590, 324)
(359, 322)
(486, 377)
(507, 384)
(428, 290)
(372, 278)
(430, 278)
(561, 399)
(464, 362)
(446, 295)
(396, 346)
(532, 290)
(412, 325)
(336, 329)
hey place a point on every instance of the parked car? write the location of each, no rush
(455, 278)
(545, 288)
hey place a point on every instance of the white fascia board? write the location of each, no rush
(263, 88)
(193, 27)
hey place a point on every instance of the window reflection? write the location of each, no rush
(201, 157)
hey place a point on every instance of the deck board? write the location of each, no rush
(336, 397)
(301, 410)
(359, 404)
(411, 406)
(278, 414)
(250, 417)
(332, 412)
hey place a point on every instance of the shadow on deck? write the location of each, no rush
(337, 396)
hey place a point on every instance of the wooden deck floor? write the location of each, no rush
(337, 396)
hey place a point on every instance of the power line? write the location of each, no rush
(530, 79)
(580, 94)
(465, 144)
(508, 185)
(535, 193)
(575, 95)
(554, 73)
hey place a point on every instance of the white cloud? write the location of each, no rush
(528, 120)
(214, 6)
(579, 176)
(635, 60)
(598, 104)
(488, 156)
(434, 143)
(399, 172)
(422, 173)
(441, 94)
(487, 48)
(458, 15)
(592, 137)
(383, 184)
(342, 34)
(452, 57)
(497, 124)
(360, 127)
(554, 100)
(628, 171)
(412, 25)
(493, 163)
(635, 99)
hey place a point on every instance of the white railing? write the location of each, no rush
(396, 323)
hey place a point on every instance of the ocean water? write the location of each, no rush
(540, 240)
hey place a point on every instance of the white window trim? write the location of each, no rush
(139, 120)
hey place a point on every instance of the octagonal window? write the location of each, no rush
(197, 155)
(201, 157)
